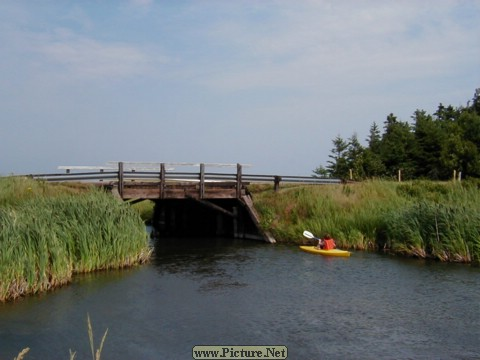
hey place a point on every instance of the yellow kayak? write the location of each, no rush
(333, 252)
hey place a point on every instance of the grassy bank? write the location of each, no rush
(424, 219)
(50, 232)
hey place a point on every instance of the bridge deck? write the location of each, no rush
(182, 190)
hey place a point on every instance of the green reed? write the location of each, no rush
(448, 232)
(423, 219)
(46, 238)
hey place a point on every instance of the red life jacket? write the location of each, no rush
(328, 244)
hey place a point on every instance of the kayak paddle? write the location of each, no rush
(309, 235)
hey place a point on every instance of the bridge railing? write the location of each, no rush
(124, 174)
(83, 176)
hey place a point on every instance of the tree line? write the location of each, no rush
(429, 147)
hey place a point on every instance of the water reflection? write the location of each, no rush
(214, 263)
(199, 256)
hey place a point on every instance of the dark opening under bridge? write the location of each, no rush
(189, 203)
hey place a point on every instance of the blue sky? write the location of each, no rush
(266, 83)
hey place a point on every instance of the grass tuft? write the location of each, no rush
(22, 354)
(45, 239)
(95, 354)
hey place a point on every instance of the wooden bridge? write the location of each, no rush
(134, 180)
(220, 192)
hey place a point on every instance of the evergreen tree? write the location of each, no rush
(372, 162)
(467, 148)
(469, 122)
(461, 147)
(433, 147)
(373, 165)
(429, 139)
(396, 147)
(321, 171)
(338, 165)
(374, 138)
(447, 114)
(476, 102)
(452, 151)
(355, 157)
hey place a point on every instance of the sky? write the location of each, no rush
(265, 83)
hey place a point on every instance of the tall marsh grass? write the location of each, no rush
(423, 219)
(145, 208)
(48, 235)
(14, 190)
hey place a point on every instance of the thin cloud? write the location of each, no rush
(83, 57)
(90, 58)
(141, 2)
(313, 42)
(68, 52)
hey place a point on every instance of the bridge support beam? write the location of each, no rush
(247, 201)
(213, 206)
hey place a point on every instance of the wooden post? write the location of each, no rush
(162, 180)
(120, 178)
(202, 181)
(239, 181)
(454, 175)
(101, 170)
(400, 175)
(236, 233)
(276, 183)
(459, 176)
(351, 174)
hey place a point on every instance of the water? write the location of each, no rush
(225, 292)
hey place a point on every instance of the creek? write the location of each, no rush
(232, 292)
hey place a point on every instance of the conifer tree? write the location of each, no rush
(338, 165)
(396, 147)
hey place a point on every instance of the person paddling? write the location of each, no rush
(327, 243)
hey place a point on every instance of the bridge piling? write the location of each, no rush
(162, 180)
(239, 181)
(202, 181)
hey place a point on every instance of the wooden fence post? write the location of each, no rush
(276, 183)
(162, 180)
(239, 181)
(202, 181)
(120, 178)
